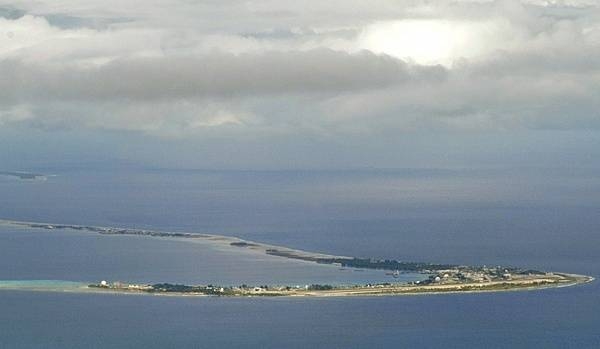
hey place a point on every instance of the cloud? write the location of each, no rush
(215, 74)
(332, 69)
(17, 113)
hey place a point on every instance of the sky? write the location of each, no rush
(312, 84)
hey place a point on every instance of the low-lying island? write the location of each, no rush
(436, 278)
(521, 282)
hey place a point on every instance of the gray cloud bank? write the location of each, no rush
(216, 74)
(183, 69)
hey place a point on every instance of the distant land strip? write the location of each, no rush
(23, 175)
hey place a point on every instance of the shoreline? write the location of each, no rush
(440, 278)
(229, 241)
(345, 291)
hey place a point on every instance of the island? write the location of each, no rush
(23, 175)
(437, 277)
(434, 284)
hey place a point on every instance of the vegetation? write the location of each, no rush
(177, 288)
(317, 287)
(242, 244)
(367, 263)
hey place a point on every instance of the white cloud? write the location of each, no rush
(181, 68)
(440, 41)
(15, 114)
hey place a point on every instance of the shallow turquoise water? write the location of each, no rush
(41, 284)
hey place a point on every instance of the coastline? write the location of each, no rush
(440, 278)
(344, 291)
(222, 240)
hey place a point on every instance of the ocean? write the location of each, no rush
(536, 218)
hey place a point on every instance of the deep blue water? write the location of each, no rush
(547, 219)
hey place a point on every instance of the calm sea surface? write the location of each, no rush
(547, 219)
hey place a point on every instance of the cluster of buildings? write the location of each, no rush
(121, 286)
(480, 275)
